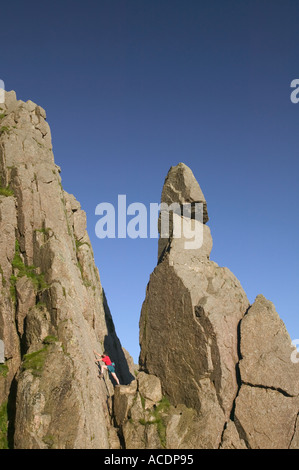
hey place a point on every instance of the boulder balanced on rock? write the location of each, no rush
(213, 352)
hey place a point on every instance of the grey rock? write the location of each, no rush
(266, 350)
(180, 193)
(214, 371)
(231, 438)
(265, 418)
(149, 387)
(53, 311)
(189, 323)
(181, 186)
(124, 397)
(215, 354)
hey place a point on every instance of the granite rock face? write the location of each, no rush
(267, 404)
(228, 361)
(53, 310)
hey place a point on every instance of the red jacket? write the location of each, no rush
(106, 360)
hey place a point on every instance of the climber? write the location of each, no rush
(109, 365)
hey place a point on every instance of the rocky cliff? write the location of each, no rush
(215, 371)
(53, 311)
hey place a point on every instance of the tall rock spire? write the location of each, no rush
(190, 338)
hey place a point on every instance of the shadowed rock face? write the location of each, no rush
(53, 311)
(212, 351)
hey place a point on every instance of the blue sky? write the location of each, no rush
(132, 87)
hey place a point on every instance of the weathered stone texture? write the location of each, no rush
(214, 353)
(266, 350)
(50, 289)
(215, 371)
